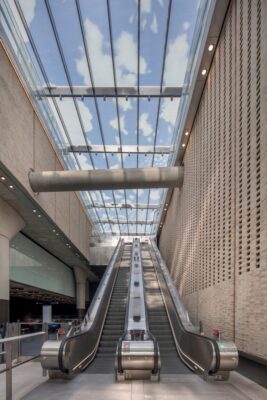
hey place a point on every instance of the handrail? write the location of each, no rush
(21, 337)
(74, 353)
(8, 342)
(92, 310)
(200, 353)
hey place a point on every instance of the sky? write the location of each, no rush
(84, 127)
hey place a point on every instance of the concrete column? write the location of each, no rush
(80, 276)
(10, 224)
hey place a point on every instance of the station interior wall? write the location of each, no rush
(214, 238)
(25, 145)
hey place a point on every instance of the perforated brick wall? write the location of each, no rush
(214, 238)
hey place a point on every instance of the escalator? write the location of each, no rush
(114, 323)
(138, 325)
(158, 320)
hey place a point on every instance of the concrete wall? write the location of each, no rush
(214, 239)
(24, 144)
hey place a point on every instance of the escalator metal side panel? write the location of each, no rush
(200, 353)
(75, 353)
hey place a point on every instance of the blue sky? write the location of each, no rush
(124, 28)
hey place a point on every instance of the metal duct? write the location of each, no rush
(106, 179)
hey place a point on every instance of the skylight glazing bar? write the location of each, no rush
(116, 99)
(45, 77)
(138, 89)
(61, 53)
(161, 85)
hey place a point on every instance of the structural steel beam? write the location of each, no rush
(88, 91)
(125, 222)
(127, 205)
(124, 149)
(106, 179)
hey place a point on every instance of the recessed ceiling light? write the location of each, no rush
(34, 211)
(11, 187)
(3, 178)
(186, 133)
(57, 234)
(183, 145)
(54, 230)
(39, 215)
(211, 47)
(203, 72)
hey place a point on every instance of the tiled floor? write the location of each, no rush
(29, 384)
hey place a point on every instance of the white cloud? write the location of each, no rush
(124, 104)
(186, 25)
(176, 61)
(143, 23)
(29, 13)
(115, 166)
(84, 161)
(169, 110)
(106, 196)
(29, 10)
(71, 119)
(154, 194)
(126, 60)
(161, 3)
(115, 125)
(131, 19)
(146, 6)
(154, 24)
(101, 62)
(144, 125)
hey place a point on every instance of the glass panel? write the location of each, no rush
(95, 20)
(152, 38)
(65, 16)
(167, 120)
(180, 36)
(124, 29)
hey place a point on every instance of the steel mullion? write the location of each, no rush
(161, 84)
(93, 87)
(115, 83)
(138, 90)
(41, 66)
(61, 53)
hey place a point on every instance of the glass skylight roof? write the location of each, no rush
(105, 44)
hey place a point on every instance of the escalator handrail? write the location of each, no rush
(100, 286)
(104, 302)
(215, 363)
